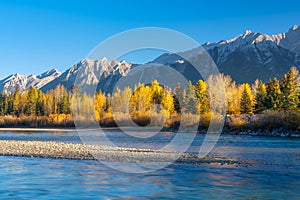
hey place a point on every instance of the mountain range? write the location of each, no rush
(22, 82)
(246, 57)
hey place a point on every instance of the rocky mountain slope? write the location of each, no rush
(87, 73)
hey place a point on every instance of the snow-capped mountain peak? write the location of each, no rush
(88, 72)
(51, 72)
(247, 32)
(289, 40)
(256, 54)
(23, 82)
(295, 27)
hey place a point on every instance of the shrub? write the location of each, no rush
(238, 121)
(269, 120)
(205, 120)
(292, 121)
(190, 120)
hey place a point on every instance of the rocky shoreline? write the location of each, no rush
(280, 132)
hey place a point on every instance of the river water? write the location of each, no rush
(274, 172)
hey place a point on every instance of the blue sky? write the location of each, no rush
(36, 35)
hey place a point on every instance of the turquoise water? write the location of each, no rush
(274, 174)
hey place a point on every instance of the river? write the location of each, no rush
(274, 172)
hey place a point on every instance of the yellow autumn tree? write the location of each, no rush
(99, 103)
(202, 96)
(141, 100)
(17, 102)
(168, 103)
(125, 96)
(116, 102)
(157, 92)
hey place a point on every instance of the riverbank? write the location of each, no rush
(278, 132)
(274, 124)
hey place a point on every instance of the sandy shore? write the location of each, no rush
(105, 153)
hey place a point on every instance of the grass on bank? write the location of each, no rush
(268, 120)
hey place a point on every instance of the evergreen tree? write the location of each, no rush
(202, 95)
(290, 90)
(274, 98)
(31, 101)
(260, 97)
(157, 92)
(178, 98)
(246, 102)
(40, 108)
(2, 100)
(107, 106)
(17, 98)
(190, 99)
(6, 105)
(64, 103)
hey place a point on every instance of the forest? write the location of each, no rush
(277, 102)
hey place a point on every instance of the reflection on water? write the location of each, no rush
(274, 175)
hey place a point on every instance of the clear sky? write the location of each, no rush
(36, 35)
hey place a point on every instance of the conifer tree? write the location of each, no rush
(260, 97)
(40, 108)
(1, 104)
(290, 90)
(246, 102)
(157, 92)
(190, 99)
(17, 102)
(178, 98)
(274, 98)
(31, 101)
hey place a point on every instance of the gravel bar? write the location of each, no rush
(62, 150)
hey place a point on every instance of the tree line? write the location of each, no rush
(276, 95)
